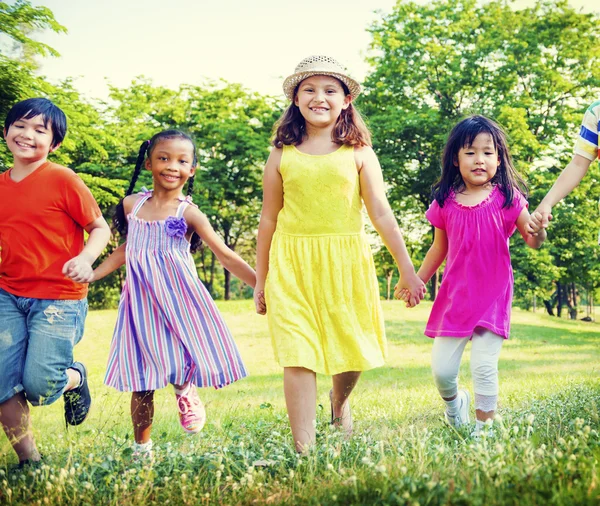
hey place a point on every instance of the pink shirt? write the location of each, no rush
(477, 285)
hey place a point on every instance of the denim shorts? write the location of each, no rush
(37, 337)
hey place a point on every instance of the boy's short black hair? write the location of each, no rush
(50, 113)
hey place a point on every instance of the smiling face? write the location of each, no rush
(30, 139)
(321, 100)
(478, 163)
(171, 162)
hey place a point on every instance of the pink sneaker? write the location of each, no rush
(192, 414)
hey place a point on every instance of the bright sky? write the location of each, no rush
(253, 42)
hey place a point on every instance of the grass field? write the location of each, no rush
(546, 448)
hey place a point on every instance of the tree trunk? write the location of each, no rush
(227, 282)
(559, 299)
(534, 303)
(202, 254)
(433, 285)
(227, 286)
(549, 307)
(212, 272)
(573, 307)
(227, 274)
(568, 296)
(388, 278)
(435, 279)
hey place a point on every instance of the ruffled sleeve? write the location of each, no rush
(511, 214)
(435, 215)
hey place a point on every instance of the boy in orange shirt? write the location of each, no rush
(44, 268)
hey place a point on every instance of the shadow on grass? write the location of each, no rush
(528, 334)
(412, 333)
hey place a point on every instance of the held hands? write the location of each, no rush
(79, 269)
(259, 301)
(540, 219)
(411, 289)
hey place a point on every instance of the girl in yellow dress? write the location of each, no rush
(315, 273)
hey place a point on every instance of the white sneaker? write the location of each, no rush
(143, 452)
(462, 417)
(487, 430)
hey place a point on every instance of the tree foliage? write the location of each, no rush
(534, 70)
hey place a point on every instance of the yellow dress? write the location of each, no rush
(321, 289)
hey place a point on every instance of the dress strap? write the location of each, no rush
(138, 205)
(181, 209)
(185, 201)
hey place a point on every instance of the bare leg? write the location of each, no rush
(74, 379)
(300, 388)
(142, 413)
(482, 416)
(14, 416)
(343, 384)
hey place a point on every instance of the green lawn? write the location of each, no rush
(546, 449)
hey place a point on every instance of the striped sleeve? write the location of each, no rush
(587, 142)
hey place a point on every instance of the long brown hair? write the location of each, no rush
(349, 129)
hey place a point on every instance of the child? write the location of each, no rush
(44, 266)
(168, 328)
(321, 290)
(479, 201)
(586, 151)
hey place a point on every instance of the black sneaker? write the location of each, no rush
(78, 400)
(29, 464)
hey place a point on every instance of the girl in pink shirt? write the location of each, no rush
(479, 202)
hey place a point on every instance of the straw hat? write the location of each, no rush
(319, 66)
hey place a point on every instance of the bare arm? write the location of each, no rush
(79, 268)
(569, 178)
(228, 258)
(435, 256)
(372, 190)
(523, 225)
(99, 235)
(272, 204)
(115, 260)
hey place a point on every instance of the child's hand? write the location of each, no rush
(533, 225)
(411, 289)
(259, 302)
(540, 218)
(79, 269)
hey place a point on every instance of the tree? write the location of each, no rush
(533, 70)
(231, 127)
(20, 20)
(17, 53)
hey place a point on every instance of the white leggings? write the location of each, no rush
(485, 352)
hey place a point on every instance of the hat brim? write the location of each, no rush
(290, 83)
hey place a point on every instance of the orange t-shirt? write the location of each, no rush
(42, 219)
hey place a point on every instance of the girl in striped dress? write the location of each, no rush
(168, 328)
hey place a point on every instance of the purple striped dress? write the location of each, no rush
(168, 328)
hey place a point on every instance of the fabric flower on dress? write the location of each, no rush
(175, 227)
